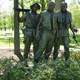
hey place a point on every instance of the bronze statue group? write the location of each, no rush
(47, 30)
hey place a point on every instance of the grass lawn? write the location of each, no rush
(10, 40)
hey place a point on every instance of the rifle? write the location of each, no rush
(22, 10)
(74, 37)
(74, 30)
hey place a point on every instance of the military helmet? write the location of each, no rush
(64, 4)
(35, 5)
(51, 3)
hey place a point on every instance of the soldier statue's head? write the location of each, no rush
(34, 7)
(51, 6)
(63, 6)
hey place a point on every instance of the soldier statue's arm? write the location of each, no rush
(39, 25)
(73, 29)
(40, 20)
(56, 22)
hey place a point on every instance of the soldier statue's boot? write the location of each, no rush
(55, 55)
(46, 57)
(67, 62)
(26, 63)
(25, 60)
(37, 58)
(35, 63)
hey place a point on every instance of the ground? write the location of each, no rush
(7, 51)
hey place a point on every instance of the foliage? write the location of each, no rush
(57, 70)
(6, 21)
(75, 10)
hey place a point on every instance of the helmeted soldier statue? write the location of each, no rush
(30, 22)
(49, 48)
(64, 20)
(48, 28)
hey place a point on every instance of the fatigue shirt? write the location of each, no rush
(31, 20)
(64, 20)
(46, 21)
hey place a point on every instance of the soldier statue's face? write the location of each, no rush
(63, 8)
(34, 9)
(51, 7)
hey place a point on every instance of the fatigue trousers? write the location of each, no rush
(65, 42)
(28, 41)
(46, 40)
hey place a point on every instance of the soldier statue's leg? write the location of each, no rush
(35, 45)
(66, 47)
(41, 48)
(56, 47)
(49, 47)
(27, 43)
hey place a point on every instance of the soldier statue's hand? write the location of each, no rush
(74, 36)
(75, 30)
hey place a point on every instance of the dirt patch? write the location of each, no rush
(7, 53)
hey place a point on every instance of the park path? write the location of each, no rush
(8, 51)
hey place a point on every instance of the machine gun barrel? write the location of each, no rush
(22, 10)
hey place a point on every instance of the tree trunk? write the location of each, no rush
(16, 31)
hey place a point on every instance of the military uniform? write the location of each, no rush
(62, 36)
(48, 32)
(31, 20)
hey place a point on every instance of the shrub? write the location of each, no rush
(57, 70)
